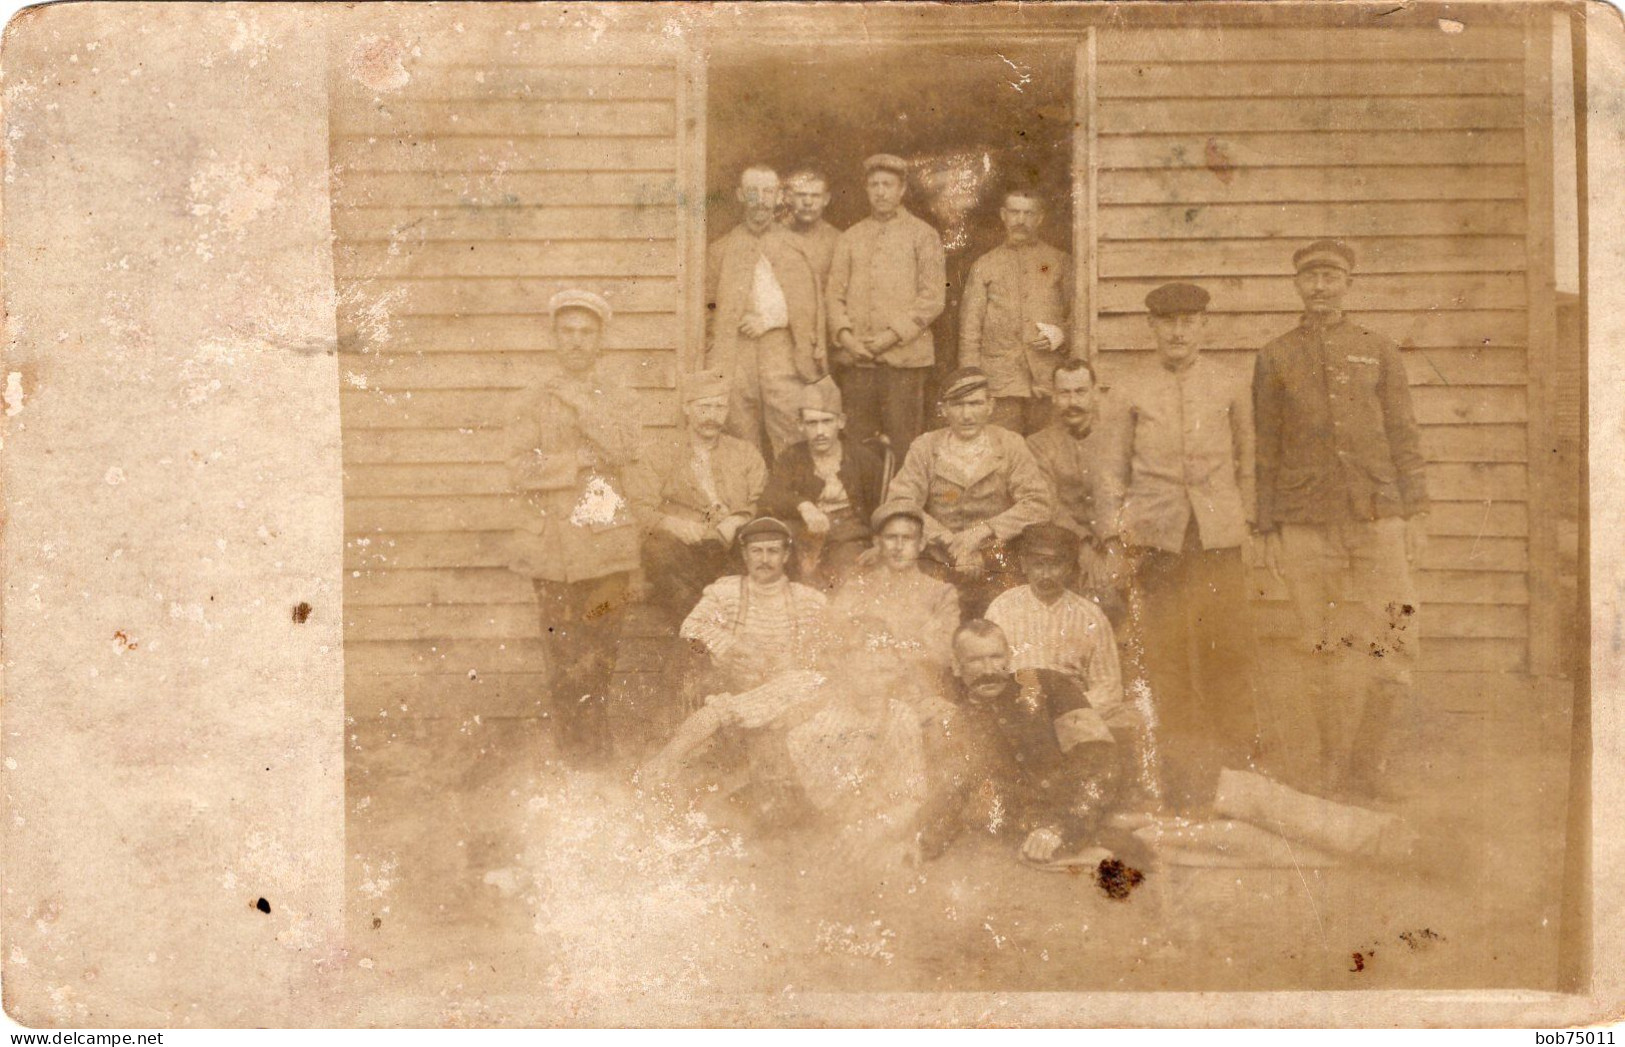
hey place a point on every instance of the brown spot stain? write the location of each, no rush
(1359, 962)
(1116, 879)
(123, 640)
(301, 613)
(1217, 160)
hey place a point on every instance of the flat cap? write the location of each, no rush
(886, 162)
(885, 511)
(823, 395)
(962, 383)
(1176, 300)
(575, 298)
(762, 529)
(1334, 253)
(702, 385)
(1046, 537)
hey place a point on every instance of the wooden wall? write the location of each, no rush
(1220, 152)
(505, 169)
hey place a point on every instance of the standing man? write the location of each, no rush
(809, 196)
(1342, 491)
(1014, 314)
(825, 487)
(570, 439)
(693, 494)
(766, 317)
(1072, 450)
(1180, 494)
(887, 284)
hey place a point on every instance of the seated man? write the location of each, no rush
(758, 624)
(977, 486)
(1051, 627)
(1026, 754)
(918, 611)
(692, 495)
(825, 487)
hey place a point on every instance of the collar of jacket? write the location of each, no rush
(1313, 322)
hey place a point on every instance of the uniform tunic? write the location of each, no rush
(1075, 470)
(889, 276)
(1010, 289)
(1005, 489)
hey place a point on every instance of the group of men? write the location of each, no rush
(904, 633)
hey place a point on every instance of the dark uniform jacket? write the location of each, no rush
(793, 481)
(1337, 437)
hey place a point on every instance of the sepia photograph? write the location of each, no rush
(779, 506)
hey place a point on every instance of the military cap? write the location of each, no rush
(884, 513)
(1176, 300)
(886, 162)
(761, 529)
(701, 385)
(1045, 537)
(962, 383)
(575, 298)
(1334, 253)
(823, 395)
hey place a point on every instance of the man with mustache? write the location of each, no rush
(570, 439)
(1072, 452)
(1024, 755)
(692, 494)
(808, 197)
(825, 487)
(887, 285)
(1179, 493)
(1342, 506)
(766, 317)
(1014, 313)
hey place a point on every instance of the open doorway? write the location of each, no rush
(971, 124)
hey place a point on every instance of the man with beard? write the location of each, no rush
(1014, 313)
(693, 494)
(825, 486)
(1342, 506)
(760, 623)
(766, 317)
(1180, 494)
(1025, 755)
(809, 196)
(977, 486)
(887, 285)
(918, 611)
(1072, 452)
(570, 438)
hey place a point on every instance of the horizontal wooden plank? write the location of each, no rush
(1479, 519)
(1457, 405)
(431, 83)
(462, 408)
(579, 259)
(443, 696)
(1475, 443)
(380, 330)
(559, 221)
(632, 369)
(1445, 657)
(383, 549)
(389, 116)
(1435, 366)
(484, 658)
(1309, 184)
(1434, 588)
(1347, 113)
(1294, 79)
(498, 188)
(504, 153)
(446, 585)
(1309, 149)
(1168, 259)
(364, 516)
(366, 298)
(1287, 223)
(1436, 292)
(1310, 45)
(1459, 481)
(398, 446)
(1476, 554)
(468, 622)
(1439, 621)
(1484, 327)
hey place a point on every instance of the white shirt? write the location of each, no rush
(767, 297)
(1071, 636)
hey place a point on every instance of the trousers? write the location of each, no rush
(765, 396)
(884, 400)
(581, 628)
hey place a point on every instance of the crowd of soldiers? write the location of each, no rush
(903, 632)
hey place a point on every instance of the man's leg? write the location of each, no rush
(781, 390)
(903, 410)
(1382, 587)
(860, 398)
(1164, 625)
(1302, 708)
(1225, 642)
(745, 394)
(580, 656)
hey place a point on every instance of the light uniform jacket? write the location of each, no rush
(1075, 470)
(1337, 436)
(819, 243)
(1182, 444)
(889, 275)
(1010, 289)
(730, 273)
(664, 483)
(569, 443)
(1007, 491)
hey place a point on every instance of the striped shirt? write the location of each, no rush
(1070, 636)
(754, 628)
